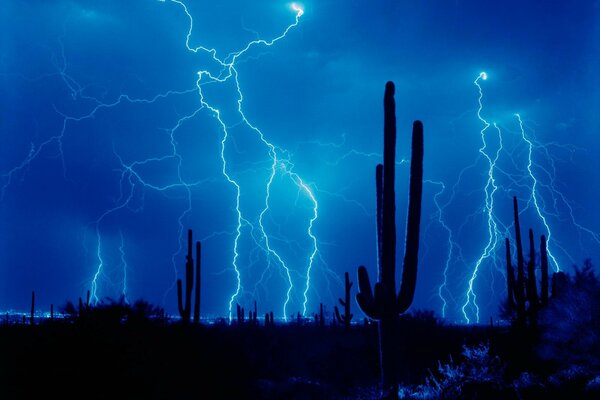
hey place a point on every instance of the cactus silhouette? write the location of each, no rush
(241, 314)
(347, 317)
(522, 291)
(184, 304)
(383, 304)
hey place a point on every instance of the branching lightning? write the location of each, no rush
(497, 226)
(489, 190)
(132, 181)
(534, 191)
(278, 163)
(510, 161)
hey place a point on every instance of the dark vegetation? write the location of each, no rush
(546, 343)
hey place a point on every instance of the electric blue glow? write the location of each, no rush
(259, 125)
(229, 71)
(534, 193)
(489, 190)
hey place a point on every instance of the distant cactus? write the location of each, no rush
(523, 298)
(184, 304)
(347, 317)
(253, 316)
(269, 321)
(241, 315)
(321, 315)
(84, 308)
(384, 305)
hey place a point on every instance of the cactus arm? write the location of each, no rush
(531, 281)
(338, 316)
(379, 193)
(520, 283)
(364, 297)
(510, 277)
(411, 254)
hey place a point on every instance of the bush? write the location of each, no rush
(570, 325)
(479, 375)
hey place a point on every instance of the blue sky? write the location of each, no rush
(112, 147)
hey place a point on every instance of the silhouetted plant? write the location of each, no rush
(84, 307)
(523, 301)
(69, 310)
(477, 375)
(108, 312)
(347, 317)
(72, 312)
(570, 324)
(184, 304)
(240, 313)
(425, 318)
(384, 304)
(269, 321)
(253, 316)
(320, 318)
(143, 311)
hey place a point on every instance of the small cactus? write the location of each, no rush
(347, 317)
(184, 301)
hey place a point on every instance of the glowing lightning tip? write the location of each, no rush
(483, 75)
(298, 9)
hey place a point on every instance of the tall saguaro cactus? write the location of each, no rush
(384, 304)
(184, 304)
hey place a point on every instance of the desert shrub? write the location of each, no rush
(478, 375)
(570, 325)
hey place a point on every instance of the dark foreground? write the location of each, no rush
(157, 360)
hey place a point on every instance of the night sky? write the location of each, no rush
(121, 127)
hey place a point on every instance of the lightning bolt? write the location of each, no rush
(534, 191)
(489, 190)
(496, 229)
(125, 266)
(443, 291)
(278, 163)
(133, 182)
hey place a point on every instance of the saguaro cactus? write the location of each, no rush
(522, 291)
(347, 317)
(384, 305)
(185, 304)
